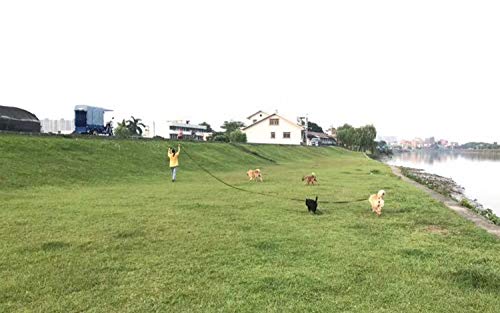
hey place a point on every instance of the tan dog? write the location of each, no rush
(310, 179)
(377, 202)
(255, 175)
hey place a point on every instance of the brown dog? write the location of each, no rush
(310, 179)
(255, 175)
(377, 202)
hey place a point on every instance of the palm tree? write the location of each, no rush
(135, 126)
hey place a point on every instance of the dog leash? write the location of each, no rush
(262, 193)
(345, 201)
(226, 183)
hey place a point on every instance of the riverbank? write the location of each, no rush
(473, 176)
(447, 191)
(444, 185)
(97, 225)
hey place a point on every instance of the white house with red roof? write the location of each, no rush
(272, 129)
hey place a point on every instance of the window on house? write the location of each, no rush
(286, 135)
(273, 135)
(274, 121)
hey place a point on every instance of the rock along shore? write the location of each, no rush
(449, 188)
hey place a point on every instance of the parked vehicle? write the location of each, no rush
(90, 120)
(315, 142)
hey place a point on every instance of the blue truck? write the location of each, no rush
(90, 120)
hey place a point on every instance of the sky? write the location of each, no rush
(411, 68)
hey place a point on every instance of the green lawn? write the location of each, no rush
(94, 225)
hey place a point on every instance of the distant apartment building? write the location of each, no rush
(417, 143)
(180, 129)
(405, 144)
(443, 142)
(429, 142)
(60, 126)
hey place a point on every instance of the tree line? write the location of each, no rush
(130, 128)
(231, 133)
(357, 139)
(349, 137)
(480, 145)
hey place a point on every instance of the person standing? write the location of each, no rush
(174, 160)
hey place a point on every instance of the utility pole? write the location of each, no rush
(307, 126)
(301, 120)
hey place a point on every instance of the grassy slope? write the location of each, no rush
(31, 162)
(95, 225)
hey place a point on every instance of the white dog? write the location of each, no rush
(377, 202)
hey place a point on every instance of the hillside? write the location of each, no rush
(59, 161)
(96, 225)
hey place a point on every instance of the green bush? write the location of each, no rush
(237, 136)
(219, 137)
(123, 132)
(466, 203)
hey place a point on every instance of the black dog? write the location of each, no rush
(312, 205)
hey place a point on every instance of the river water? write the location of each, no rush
(477, 171)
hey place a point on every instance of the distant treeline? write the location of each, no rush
(480, 145)
(357, 139)
(231, 133)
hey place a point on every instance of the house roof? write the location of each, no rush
(88, 107)
(260, 111)
(185, 125)
(270, 116)
(13, 113)
(318, 135)
(323, 136)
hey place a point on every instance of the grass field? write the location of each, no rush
(91, 225)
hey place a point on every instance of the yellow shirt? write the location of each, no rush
(174, 159)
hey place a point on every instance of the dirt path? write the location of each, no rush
(471, 216)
